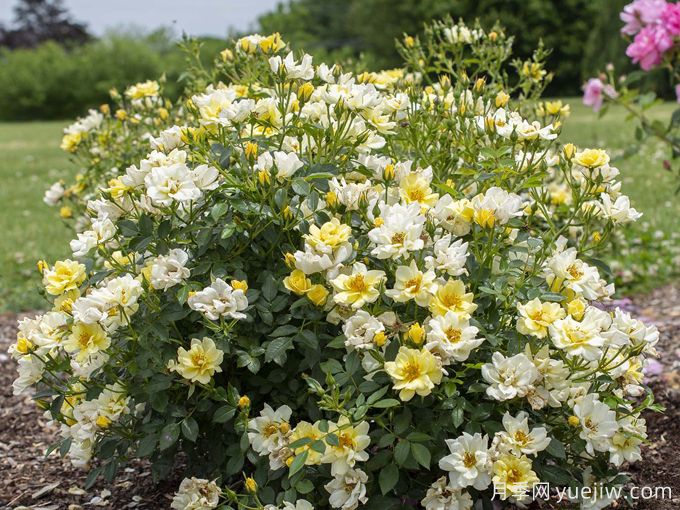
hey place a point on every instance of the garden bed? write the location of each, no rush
(41, 482)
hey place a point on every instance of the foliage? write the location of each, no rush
(328, 279)
(54, 82)
(39, 21)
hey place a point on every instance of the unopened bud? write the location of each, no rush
(305, 91)
(251, 485)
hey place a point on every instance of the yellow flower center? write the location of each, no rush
(453, 335)
(357, 283)
(398, 238)
(521, 438)
(346, 440)
(411, 370)
(513, 475)
(198, 359)
(270, 429)
(574, 271)
(469, 459)
(413, 285)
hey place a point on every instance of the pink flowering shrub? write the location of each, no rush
(653, 27)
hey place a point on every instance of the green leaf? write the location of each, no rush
(190, 429)
(219, 210)
(319, 446)
(304, 486)
(384, 404)
(421, 454)
(388, 478)
(303, 441)
(301, 187)
(556, 449)
(224, 414)
(298, 463)
(146, 445)
(169, 436)
(276, 350)
(401, 452)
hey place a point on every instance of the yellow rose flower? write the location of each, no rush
(414, 371)
(416, 333)
(302, 430)
(200, 362)
(535, 317)
(64, 276)
(514, 474)
(359, 288)
(70, 141)
(86, 340)
(452, 297)
(318, 294)
(297, 282)
(331, 234)
(591, 158)
(502, 99)
(64, 302)
(415, 188)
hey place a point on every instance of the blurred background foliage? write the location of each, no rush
(52, 68)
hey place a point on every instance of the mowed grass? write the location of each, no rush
(30, 160)
(650, 187)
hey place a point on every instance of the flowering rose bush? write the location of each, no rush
(340, 290)
(107, 141)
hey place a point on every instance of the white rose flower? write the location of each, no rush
(451, 338)
(509, 377)
(219, 300)
(348, 491)
(196, 494)
(360, 330)
(169, 270)
(400, 231)
(469, 462)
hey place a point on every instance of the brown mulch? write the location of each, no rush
(28, 479)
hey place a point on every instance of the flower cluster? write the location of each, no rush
(110, 139)
(360, 282)
(654, 24)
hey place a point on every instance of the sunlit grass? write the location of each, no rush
(30, 160)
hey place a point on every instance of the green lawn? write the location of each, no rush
(31, 160)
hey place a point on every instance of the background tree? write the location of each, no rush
(38, 21)
(371, 26)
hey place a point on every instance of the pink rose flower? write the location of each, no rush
(594, 92)
(670, 19)
(639, 13)
(649, 45)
